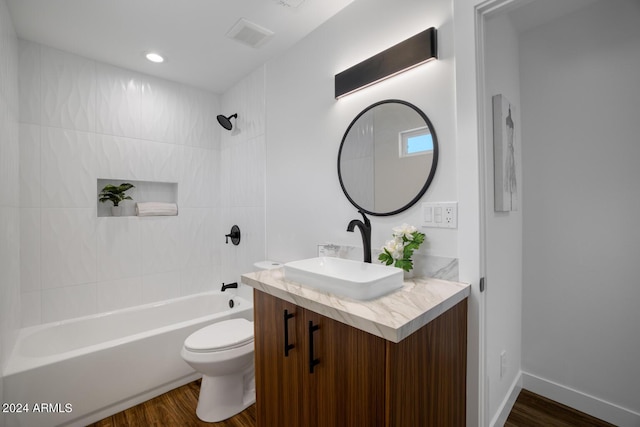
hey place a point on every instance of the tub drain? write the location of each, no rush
(231, 303)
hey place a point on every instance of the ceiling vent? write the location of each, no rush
(246, 32)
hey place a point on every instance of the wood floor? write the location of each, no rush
(174, 408)
(531, 409)
(178, 408)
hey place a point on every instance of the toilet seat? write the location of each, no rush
(225, 335)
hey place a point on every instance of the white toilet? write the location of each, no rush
(223, 354)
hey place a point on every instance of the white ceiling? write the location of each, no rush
(189, 33)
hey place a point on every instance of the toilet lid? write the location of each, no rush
(221, 336)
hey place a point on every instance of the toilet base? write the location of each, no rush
(225, 396)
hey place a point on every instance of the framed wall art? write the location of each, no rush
(504, 155)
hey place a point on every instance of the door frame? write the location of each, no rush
(484, 11)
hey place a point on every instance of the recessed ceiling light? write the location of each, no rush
(154, 57)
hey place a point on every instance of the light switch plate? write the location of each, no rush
(440, 214)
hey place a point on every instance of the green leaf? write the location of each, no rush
(412, 245)
(386, 257)
(405, 264)
(418, 237)
(109, 188)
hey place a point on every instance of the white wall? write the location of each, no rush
(9, 191)
(82, 120)
(504, 229)
(305, 124)
(580, 103)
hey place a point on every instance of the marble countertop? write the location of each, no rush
(393, 317)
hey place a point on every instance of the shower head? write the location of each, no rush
(225, 122)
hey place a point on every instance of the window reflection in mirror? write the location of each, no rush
(415, 142)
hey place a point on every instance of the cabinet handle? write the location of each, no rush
(287, 346)
(312, 362)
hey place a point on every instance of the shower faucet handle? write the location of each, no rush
(234, 234)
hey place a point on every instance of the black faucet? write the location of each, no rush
(365, 230)
(230, 285)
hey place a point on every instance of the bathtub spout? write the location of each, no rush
(230, 285)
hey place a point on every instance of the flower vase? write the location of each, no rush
(408, 275)
(116, 210)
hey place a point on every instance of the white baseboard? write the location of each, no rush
(591, 405)
(507, 404)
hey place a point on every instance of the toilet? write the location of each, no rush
(223, 354)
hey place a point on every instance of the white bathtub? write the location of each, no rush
(88, 368)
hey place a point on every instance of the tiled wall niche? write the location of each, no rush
(143, 191)
(81, 121)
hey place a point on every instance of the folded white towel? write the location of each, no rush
(156, 209)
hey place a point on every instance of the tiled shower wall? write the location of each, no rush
(82, 120)
(9, 191)
(243, 175)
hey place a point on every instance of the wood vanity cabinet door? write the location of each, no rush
(347, 387)
(279, 381)
(427, 373)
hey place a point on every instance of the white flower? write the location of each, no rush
(405, 230)
(395, 247)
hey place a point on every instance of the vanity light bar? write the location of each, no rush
(405, 55)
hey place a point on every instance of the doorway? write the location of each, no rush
(556, 299)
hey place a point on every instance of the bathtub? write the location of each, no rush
(78, 371)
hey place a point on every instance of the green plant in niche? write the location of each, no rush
(115, 194)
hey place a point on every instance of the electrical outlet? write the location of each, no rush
(450, 214)
(440, 214)
(503, 363)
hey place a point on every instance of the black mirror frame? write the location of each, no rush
(434, 163)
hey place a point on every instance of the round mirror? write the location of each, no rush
(387, 157)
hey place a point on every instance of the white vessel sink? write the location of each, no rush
(353, 279)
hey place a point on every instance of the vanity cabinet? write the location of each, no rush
(315, 371)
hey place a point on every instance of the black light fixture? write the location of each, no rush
(225, 122)
(407, 54)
